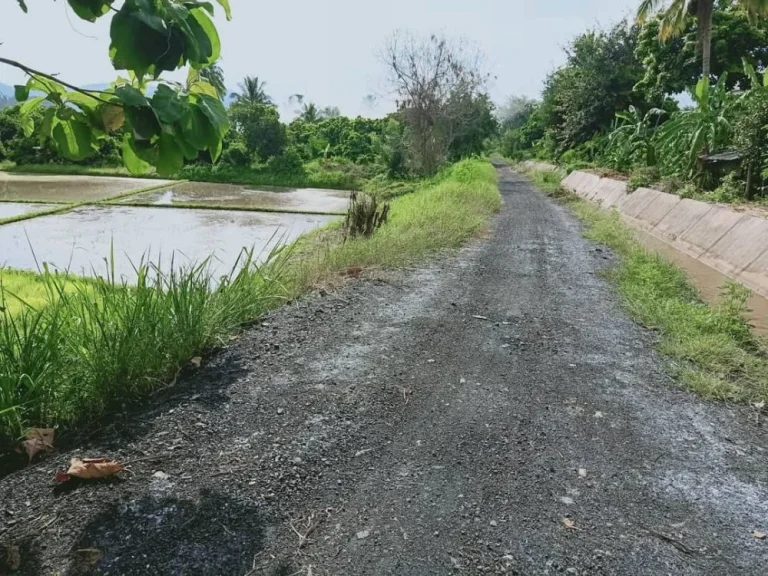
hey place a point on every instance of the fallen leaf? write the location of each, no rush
(760, 535)
(583, 472)
(90, 556)
(566, 500)
(569, 524)
(196, 361)
(92, 468)
(598, 414)
(12, 557)
(38, 440)
(759, 405)
(478, 317)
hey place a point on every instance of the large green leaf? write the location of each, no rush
(167, 104)
(90, 9)
(227, 9)
(131, 96)
(142, 121)
(135, 165)
(215, 111)
(73, 139)
(170, 158)
(198, 130)
(205, 40)
(30, 105)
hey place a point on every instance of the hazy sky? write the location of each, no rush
(327, 50)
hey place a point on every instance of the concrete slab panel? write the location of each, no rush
(570, 181)
(617, 195)
(636, 201)
(588, 185)
(682, 217)
(739, 247)
(755, 275)
(707, 231)
(659, 207)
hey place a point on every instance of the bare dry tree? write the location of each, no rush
(435, 80)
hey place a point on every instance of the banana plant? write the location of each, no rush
(632, 137)
(700, 130)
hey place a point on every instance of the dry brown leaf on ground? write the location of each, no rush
(90, 469)
(196, 361)
(568, 523)
(38, 440)
(760, 535)
(12, 557)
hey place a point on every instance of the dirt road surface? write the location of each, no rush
(494, 413)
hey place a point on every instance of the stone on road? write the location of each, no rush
(414, 438)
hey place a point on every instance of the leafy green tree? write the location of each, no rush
(674, 65)
(147, 39)
(515, 112)
(582, 98)
(259, 128)
(252, 91)
(475, 126)
(674, 16)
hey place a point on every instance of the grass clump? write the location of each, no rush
(74, 350)
(715, 352)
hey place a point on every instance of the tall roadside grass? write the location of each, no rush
(441, 213)
(713, 350)
(81, 348)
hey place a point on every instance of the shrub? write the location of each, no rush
(731, 189)
(287, 163)
(643, 178)
(236, 155)
(364, 215)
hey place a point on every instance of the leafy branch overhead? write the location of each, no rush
(148, 37)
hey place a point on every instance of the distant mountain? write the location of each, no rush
(6, 90)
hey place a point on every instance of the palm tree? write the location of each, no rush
(252, 92)
(310, 113)
(675, 12)
(330, 112)
(214, 75)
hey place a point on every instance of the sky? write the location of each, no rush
(328, 51)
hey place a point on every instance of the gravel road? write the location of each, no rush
(494, 413)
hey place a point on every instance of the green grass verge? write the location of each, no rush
(72, 350)
(712, 349)
(442, 213)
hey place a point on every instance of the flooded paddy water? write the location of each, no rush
(13, 209)
(312, 200)
(80, 240)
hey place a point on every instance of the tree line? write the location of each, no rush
(658, 96)
(443, 111)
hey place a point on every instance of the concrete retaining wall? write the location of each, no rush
(731, 242)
